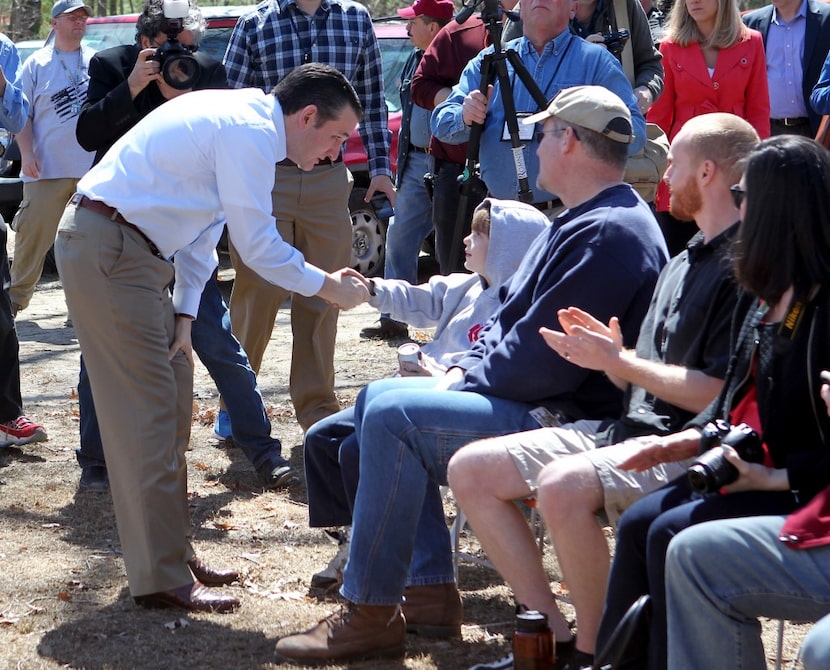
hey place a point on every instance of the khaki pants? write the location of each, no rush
(35, 224)
(312, 211)
(120, 306)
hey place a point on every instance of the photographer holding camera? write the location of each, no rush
(779, 348)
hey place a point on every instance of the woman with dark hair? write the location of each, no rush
(780, 334)
(712, 63)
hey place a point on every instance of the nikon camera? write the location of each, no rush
(711, 471)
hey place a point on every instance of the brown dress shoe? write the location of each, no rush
(211, 576)
(433, 610)
(353, 632)
(195, 597)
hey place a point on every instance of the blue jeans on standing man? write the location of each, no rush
(407, 433)
(227, 363)
(412, 221)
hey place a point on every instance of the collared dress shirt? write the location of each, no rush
(176, 172)
(784, 50)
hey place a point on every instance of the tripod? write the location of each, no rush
(494, 68)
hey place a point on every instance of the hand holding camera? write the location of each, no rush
(713, 470)
(144, 71)
(178, 67)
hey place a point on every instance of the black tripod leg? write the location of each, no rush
(469, 179)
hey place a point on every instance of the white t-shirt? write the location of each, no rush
(55, 84)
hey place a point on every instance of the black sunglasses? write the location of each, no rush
(738, 195)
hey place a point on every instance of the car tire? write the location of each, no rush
(368, 235)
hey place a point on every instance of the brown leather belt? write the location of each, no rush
(113, 215)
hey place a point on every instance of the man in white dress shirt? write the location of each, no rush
(162, 194)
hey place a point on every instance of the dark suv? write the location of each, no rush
(369, 230)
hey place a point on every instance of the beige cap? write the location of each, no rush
(592, 107)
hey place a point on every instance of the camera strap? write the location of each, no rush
(619, 19)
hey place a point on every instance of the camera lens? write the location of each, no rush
(711, 471)
(180, 71)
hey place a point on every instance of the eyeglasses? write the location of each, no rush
(738, 195)
(75, 18)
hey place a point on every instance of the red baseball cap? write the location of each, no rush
(437, 9)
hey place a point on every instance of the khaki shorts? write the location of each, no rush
(533, 450)
(622, 488)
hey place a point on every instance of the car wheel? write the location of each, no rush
(368, 235)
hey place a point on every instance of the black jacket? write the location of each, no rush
(109, 112)
(796, 428)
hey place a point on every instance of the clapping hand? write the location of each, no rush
(585, 342)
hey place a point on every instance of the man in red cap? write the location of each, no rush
(413, 205)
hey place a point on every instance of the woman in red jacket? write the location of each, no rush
(712, 63)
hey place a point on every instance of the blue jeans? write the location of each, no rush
(407, 432)
(330, 482)
(412, 221)
(642, 540)
(227, 363)
(722, 575)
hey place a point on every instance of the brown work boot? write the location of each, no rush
(433, 610)
(353, 632)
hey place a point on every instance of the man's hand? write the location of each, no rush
(382, 183)
(474, 107)
(596, 38)
(345, 289)
(585, 341)
(451, 381)
(2, 83)
(30, 166)
(144, 71)
(652, 450)
(181, 339)
(644, 98)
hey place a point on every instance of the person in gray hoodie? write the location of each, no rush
(457, 306)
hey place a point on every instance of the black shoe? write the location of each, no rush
(94, 478)
(277, 474)
(389, 329)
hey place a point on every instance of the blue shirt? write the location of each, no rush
(14, 108)
(785, 52)
(566, 61)
(276, 37)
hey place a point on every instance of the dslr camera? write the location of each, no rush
(711, 471)
(615, 41)
(179, 68)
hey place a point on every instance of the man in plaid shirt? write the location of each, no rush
(311, 208)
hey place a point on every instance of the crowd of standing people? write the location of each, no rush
(590, 348)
